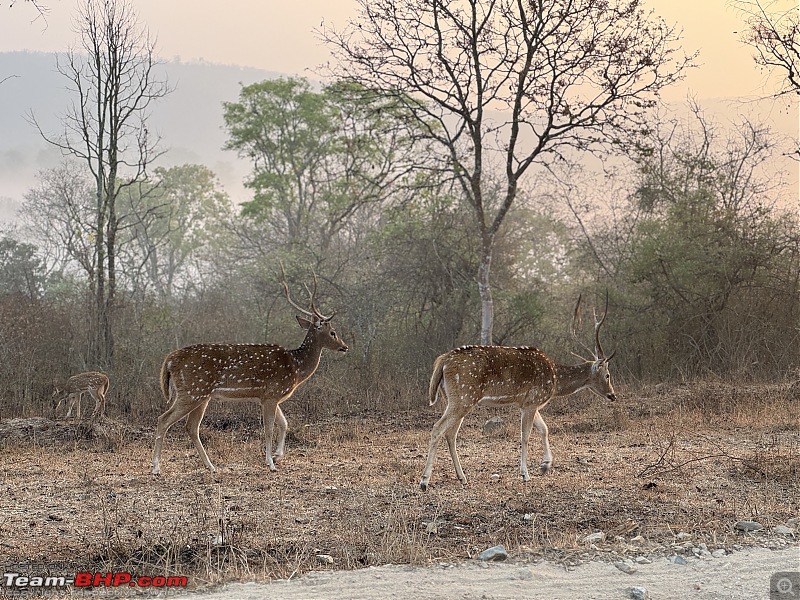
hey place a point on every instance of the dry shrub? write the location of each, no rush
(106, 433)
(779, 463)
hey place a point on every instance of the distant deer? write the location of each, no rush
(93, 383)
(501, 376)
(192, 376)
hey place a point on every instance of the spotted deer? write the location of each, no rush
(192, 376)
(524, 377)
(93, 383)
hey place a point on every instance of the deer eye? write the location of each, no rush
(333, 333)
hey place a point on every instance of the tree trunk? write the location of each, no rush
(99, 285)
(485, 290)
(111, 260)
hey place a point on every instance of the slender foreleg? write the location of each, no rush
(526, 425)
(541, 427)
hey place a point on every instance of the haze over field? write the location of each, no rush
(205, 42)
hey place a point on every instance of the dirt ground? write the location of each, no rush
(745, 575)
(658, 476)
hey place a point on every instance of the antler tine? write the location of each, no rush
(313, 296)
(577, 318)
(288, 296)
(577, 321)
(597, 325)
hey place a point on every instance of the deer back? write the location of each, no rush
(85, 381)
(499, 373)
(233, 369)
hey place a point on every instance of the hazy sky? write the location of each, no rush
(277, 35)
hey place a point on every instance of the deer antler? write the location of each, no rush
(598, 353)
(314, 312)
(598, 349)
(575, 326)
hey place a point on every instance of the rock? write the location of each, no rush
(528, 517)
(495, 553)
(302, 520)
(626, 567)
(719, 553)
(643, 560)
(748, 526)
(637, 540)
(678, 560)
(325, 559)
(639, 593)
(493, 425)
(782, 530)
(683, 536)
(598, 536)
(495, 477)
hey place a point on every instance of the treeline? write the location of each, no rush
(700, 265)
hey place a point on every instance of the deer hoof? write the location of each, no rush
(546, 467)
(423, 485)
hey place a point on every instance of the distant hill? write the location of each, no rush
(189, 120)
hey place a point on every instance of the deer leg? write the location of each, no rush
(102, 402)
(74, 402)
(526, 426)
(176, 411)
(449, 422)
(99, 404)
(193, 429)
(541, 427)
(270, 410)
(280, 420)
(450, 435)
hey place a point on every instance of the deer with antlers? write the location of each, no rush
(93, 383)
(192, 376)
(525, 377)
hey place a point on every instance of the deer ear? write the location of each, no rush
(303, 322)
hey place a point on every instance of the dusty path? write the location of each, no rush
(743, 575)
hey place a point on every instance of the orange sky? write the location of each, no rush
(276, 35)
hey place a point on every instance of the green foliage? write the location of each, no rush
(319, 157)
(707, 259)
(21, 270)
(171, 225)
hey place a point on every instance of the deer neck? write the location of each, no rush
(571, 378)
(306, 357)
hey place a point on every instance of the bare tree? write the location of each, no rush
(59, 214)
(774, 34)
(511, 82)
(40, 7)
(113, 74)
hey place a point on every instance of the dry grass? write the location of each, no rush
(664, 460)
